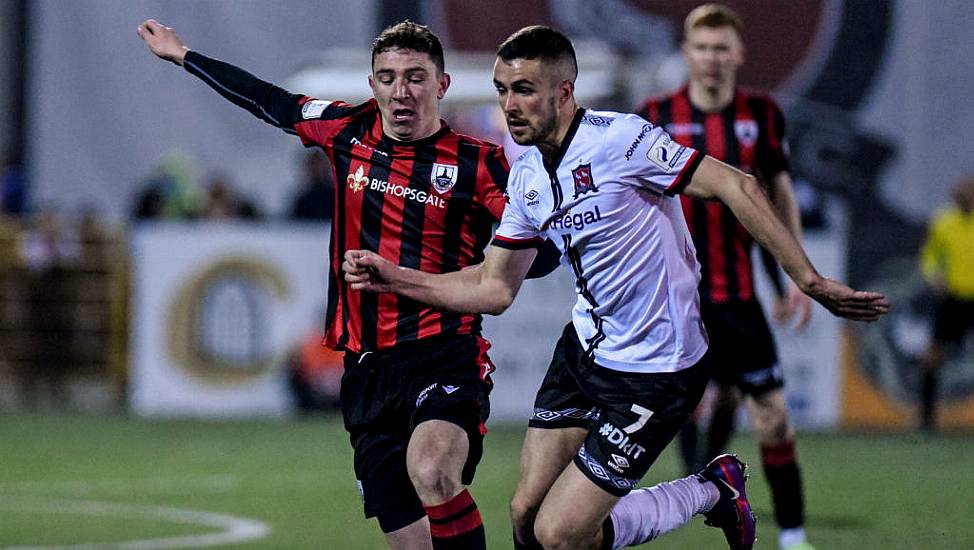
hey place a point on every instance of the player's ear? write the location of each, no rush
(444, 84)
(372, 83)
(566, 91)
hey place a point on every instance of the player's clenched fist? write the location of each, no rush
(365, 270)
(163, 41)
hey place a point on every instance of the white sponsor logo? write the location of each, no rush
(665, 153)
(399, 190)
(450, 389)
(619, 438)
(425, 393)
(443, 177)
(314, 108)
(356, 141)
(619, 463)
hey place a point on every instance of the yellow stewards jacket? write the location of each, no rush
(949, 252)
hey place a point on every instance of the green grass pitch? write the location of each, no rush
(105, 481)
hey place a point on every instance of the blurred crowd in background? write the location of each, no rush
(64, 279)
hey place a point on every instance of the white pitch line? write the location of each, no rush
(234, 529)
(107, 487)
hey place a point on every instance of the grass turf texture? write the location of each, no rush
(863, 491)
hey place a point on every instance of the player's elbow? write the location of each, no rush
(499, 302)
(747, 184)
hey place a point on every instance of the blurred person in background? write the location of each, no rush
(629, 369)
(947, 262)
(13, 185)
(170, 193)
(222, 202)
(316, 197)
(49, 251)
(417, 378)
(746, 130)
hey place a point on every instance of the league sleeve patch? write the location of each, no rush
(314, 108)
(665, 153)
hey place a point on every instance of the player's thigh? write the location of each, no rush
(574, 509)
(544, 456)
(640, 413)
(768, 412)
(742, 351)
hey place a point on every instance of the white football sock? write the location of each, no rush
(645, 514)
(791, 537)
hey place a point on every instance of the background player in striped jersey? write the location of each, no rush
(746, 130)
(416, 382)
(626, 373)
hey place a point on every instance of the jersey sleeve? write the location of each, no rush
(772, 152)
(516, 231)
(264, 100)
(492, 181)
(646, 156)
(319, 120)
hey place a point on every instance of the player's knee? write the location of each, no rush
(432, 482)
(523, 513)
(555, 534)
(773, 427)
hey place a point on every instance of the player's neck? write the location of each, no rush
(551, 147)
(710, 100)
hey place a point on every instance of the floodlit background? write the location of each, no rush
(185, 291)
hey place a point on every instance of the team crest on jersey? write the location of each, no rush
(746, 132)
(443, 177)
(582, 176)
(358, 180)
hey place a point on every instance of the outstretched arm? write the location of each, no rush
(489, 287)
(266, 101)
(742, 194)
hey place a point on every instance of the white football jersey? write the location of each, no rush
(609, 205)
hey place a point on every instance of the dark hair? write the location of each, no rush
(407, 35)
(539, 41)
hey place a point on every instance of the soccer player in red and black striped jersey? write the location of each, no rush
(746, 130)
(417, 378)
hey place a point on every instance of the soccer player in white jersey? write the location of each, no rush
(623, 379)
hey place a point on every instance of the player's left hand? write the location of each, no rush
(842, 301)
(794, 302)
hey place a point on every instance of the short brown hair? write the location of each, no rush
(713, 16)
(407, 35)
(540, 42)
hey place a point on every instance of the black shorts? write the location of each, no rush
(742, 351)
(386, 394)
(953, 318)
(631, 417)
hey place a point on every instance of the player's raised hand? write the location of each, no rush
(163, 41)
(365, 270)
(843, 301)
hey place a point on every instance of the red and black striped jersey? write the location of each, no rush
(428, 204)
(747, 134)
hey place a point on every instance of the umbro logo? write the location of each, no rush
(532, 197)
(450, 389)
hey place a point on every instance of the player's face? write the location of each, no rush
(408, 88)
(713, 56)
(528, 96)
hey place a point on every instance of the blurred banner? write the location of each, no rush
(216, 308)
(810, 358)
